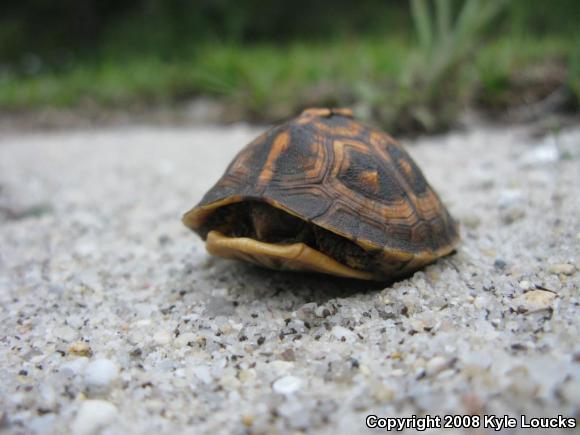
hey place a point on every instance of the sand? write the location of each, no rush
(113, 319)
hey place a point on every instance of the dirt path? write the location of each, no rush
(112, 315)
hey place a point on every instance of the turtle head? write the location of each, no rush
(325, 112)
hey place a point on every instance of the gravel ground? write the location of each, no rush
(114, 320)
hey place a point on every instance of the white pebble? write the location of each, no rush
(287, 385)
(101, 373)
(321, 311)
(481, 302)
(162, 338)
(509, 197)
(203, 374)
(540, 155)
(571, 390)
(184, 339)
(47, 397)
(75, 366)
(436, 365)
(93, 417)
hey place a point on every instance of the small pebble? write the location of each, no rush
(437, 364)
(93, 416)
(247, 375)
(229, 382)
(416, 325)
(247, 420)
(162, 338)
(47, 397)
(322, 311)
(80, 348)
(203, 374)
(480, 302)
(471, 221)
(563, 268)
(571, 390)
(499, 264)
(101, 374)
(74, 367)
(512, 214)
(287, 385)
(540, 155)
(382, 393)
(509, 197)
(306, 311)
(288, 355)
(535, 300)
(185, 339)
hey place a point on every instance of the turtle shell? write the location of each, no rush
(339, 176)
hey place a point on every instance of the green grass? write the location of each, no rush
(269, 82)
(497, 64)
(259, 74)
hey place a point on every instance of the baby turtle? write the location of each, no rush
(325, 193)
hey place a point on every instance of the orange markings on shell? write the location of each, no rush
(280, 144)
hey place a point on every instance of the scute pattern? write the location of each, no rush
(366, 175)
(313, 200)
(346, 177)
(300, 162)
(408, 169)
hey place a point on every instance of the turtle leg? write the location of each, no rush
(344, 251)
(230, 219)
(275, 226)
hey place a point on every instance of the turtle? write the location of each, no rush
(325, 193)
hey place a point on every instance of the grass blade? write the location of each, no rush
(443, 18)
(422, 22)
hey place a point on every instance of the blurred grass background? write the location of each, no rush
(410, 66)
